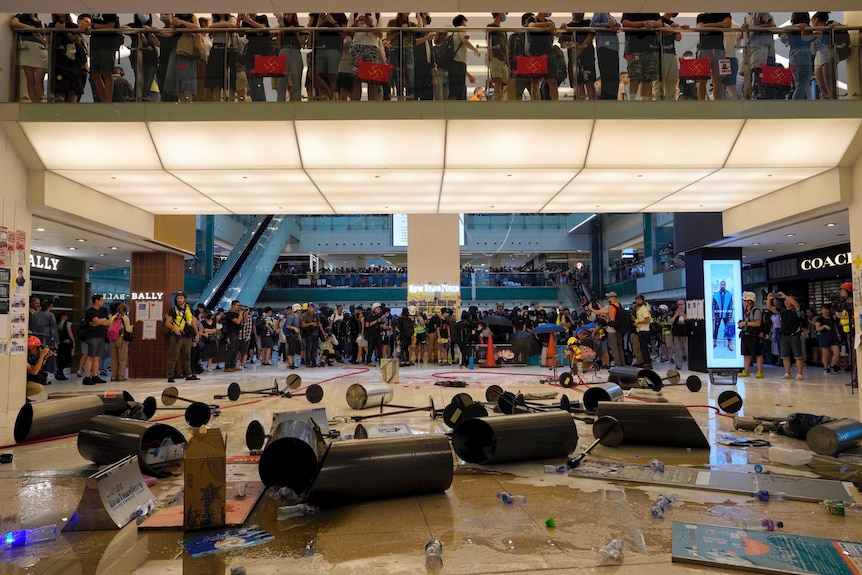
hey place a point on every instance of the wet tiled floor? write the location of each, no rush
(478, 532)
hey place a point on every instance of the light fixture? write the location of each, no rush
(40, 229)
(127, 261)
(114, 248)
(800, 243)
(770, 251)
(756, 244)
(831, 225)
(72, 248)
(82, 240)
(789, 235)
(576, 226)
(92, 268)
(102, 255)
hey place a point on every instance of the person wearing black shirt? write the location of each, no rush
(642, 52)
(582, 57)
(665, 88)
(327, 48)
(103, 54)
(791, 326)
(311, 332)
(372, 333)
(828, 338)
(259, 44)
(231, 325)
(97, 322)
(540, 39)
(711, 46)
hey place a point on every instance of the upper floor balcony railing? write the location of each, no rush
(398, 278)
(229, 60)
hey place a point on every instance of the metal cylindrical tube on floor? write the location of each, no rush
(57, 417)
(380, 468)
(291, 457)
(106, 439)
(835, 436)
(602, 392)
(629, 377)
(515, 438)
(662, 424)
(362, 396)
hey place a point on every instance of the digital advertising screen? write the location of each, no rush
(722, 288)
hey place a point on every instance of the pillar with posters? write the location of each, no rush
(434, 262)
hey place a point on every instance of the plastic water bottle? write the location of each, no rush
(662, 502)
(836, 507)
(29, 536)
(613, 551)
(472, 362)
(289, 511)
(145, 508)
(555, 468)
(434, 550)
(657, 465)
(763, 524)
(510, 499)
(789, 456)
(764, 495)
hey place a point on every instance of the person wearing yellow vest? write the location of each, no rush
(182, 334)
(843, 314)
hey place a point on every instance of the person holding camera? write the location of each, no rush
(37, 376)
(182, 334)
(232, 323)
(791, 326)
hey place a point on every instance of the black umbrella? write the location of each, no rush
(497, 320)
(525, 343)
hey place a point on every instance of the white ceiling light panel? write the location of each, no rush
(501, 191)
(620, 190)
(379, 191)
(796, 143)
(517, 144)
(378, 144)
(258, 191)
(662, 143)
(727, 188)
(93, 145)
(226, 145)
(152, 191)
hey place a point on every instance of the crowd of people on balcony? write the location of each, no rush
(395, 59)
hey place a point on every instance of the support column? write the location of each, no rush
(156, 277)
(855, 218)
(854, 62)
(434, 260)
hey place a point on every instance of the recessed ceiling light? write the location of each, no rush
(102, 255)
(744, 256)
(40, 229)
(789, 235)
(73, 248)
(114, 248)
(756, 244)
(831, 225)
(92, 268)
(770, 251)
(127, 261)
(800, 243)
(82, 240)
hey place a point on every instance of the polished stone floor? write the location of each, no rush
(479, 534)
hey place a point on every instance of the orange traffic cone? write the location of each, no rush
(551, 354)
(489, 354)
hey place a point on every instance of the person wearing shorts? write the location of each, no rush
(828, 338)
(327, 54)
(711, 46)
(642, 50)
(96, 319)
(789, 342)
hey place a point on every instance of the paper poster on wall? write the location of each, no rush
(155, 310)
(722, 281)
(142, 311)
(4, 327)
(4, 347)
(149, 329)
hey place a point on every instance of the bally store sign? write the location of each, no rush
(42, 264)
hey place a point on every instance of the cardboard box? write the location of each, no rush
(205, 477)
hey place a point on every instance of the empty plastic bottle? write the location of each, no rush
(789, 456)
(510, 499)
(146, 508)
(765, 495)
(289, 511)
(836, 507)
(763, 524)
(613, 551)
(555, 468)
(434, 549)
(662, 502)
(657, 465)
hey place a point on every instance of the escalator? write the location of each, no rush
(244, 273)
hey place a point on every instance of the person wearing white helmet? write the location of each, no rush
(292, 328)
(751, 330)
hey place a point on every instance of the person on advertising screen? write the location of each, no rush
(722, 312)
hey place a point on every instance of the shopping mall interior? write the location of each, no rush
(479, 207)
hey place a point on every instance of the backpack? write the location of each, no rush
(623, 320)
(841, 39)
(81, 333)
(115, 329)
(446, 52)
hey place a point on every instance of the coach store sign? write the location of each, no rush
(829, 262)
